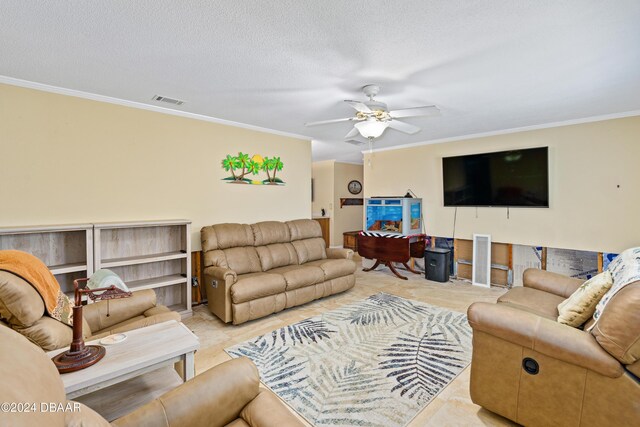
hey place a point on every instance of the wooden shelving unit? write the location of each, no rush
(66, 249)
(149, 255)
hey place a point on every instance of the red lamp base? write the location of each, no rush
(74, 361)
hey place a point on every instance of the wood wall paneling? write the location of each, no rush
(326, 229)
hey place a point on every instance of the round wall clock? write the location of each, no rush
(355, 187)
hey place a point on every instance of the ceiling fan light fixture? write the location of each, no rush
(371, 128)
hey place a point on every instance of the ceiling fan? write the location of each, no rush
(373, 117)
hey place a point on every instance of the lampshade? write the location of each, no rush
(104, 278)
(371, 128)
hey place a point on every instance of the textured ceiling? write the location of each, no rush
(489, 65)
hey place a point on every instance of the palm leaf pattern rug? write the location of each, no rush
(376, 362)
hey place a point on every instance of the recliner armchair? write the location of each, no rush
(537, 372)
(225, 395)
(22, 309)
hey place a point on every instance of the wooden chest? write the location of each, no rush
(350, 240)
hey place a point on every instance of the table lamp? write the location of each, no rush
(80, 356)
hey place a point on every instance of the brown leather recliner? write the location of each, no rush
(22, 309)
(255, 270)
(537, 372)
(226, 395)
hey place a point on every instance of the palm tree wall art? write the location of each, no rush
(242, 166)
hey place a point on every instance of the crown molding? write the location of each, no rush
(512, 130)
(141, 106)
(350, 163)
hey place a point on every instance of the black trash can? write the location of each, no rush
(436, 264)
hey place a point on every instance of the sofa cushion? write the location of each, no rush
(304, 229)
(28, 376)
(310, 249)
(259, 307)
(215, 258)
(550, 316)
(276, 255)
(118, 310)
(47, 333)
(257, 285)
(579, 307)
(625, 269)
(223, 236)
(160, 314)
(334, 268)
(535, 301)
(268, 232)
(242, 260)
(299, 276)
(239, 422)
(20, 303)
(618, 328)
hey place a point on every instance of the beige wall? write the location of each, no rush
(322, 174)
(587, 210)
(66, 159)
(347, 218)
(330, 179)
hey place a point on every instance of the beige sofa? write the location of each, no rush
(537, 372)
(255, 270)
(22, 309)
(226, 395)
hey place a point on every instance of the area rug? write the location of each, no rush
(377, 362)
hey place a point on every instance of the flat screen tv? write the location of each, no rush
(517, 178)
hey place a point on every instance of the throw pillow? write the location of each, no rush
(579, 307)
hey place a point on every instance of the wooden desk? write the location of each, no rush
(144, 350)
(387, 250)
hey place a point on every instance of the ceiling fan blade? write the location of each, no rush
(353, 132)
(359, 106)
(427, 110)
(324, 122)
(355, 142)
(403, 127)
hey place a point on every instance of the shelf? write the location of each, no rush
(68, 268)
(138, 224)
(45, 228)
(156, 282)
(144, 259)
(351, 201)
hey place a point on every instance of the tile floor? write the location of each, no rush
(452, 407)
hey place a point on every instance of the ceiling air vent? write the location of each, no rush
(167, 100)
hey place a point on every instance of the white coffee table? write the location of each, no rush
(144, 350)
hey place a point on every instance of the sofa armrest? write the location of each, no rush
(218, 283)
(553, 283)
(337, 253)
(221, 273)
(211, 399)
(266, 410)
(119, 310)
(543, 335)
